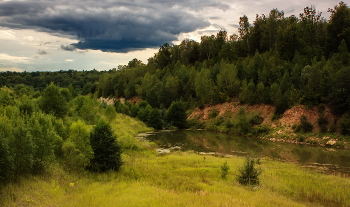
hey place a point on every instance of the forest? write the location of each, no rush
(276, 60)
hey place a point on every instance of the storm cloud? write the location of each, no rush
(68, 47)
(110, 26)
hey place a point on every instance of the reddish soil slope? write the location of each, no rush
(290, 117)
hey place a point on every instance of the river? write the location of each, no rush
(328, 159)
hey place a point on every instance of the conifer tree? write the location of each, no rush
(107, 152)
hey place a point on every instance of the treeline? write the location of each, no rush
(39, 80)
(278, 60)
(284, 61)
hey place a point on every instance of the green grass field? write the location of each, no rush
(176, 179)
(179, 179)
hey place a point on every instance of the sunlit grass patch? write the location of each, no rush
(180, 179)
(126, 129)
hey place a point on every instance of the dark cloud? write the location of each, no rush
(113, 26)
(68, 47)
(42, 52)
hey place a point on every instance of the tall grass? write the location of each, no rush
(126, 129)
(180, 179)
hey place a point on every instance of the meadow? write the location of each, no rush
(175, 179)
(179, 179)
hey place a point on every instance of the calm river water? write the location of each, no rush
(204, 141)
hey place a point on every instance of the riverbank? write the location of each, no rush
(180, 179)
(264, 124)
(328, 160)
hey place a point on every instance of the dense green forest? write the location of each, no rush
(276, 60)
(283, 61)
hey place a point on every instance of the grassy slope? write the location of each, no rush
(178, 179)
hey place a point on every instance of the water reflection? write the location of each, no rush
(203, 141)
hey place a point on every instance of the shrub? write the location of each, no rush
(344, 124)
(249, 173)
(74, 160)
(229, 124)
(195, 124)
(256, 120)
(219, 121)
(243, 126)
(261, 130)
(213, 113)
(301, 138)
(332, 127)
(110, 112)
(304, 126)
(134, 110)
(224, 170)
(322, 122)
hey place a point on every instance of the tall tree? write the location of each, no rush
(312, 34)
(46, 140)
(52, 101)
(204, 86)
(163, 57)
(228, 81)
(287, 38)
(338, 27)
(154, 119)
(177, 114)
(243, 31)
(21, 148)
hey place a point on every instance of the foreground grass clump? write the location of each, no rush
(180, 179)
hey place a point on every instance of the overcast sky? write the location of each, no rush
(54, 35)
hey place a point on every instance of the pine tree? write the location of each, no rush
(107, 152)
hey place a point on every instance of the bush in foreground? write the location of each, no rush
(249, 173)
